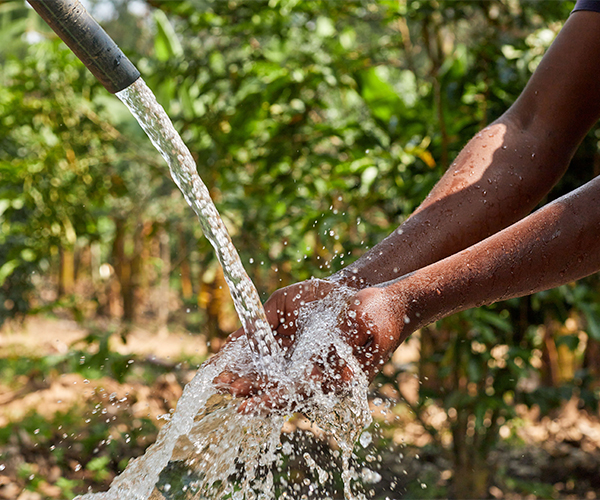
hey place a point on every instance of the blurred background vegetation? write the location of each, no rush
(318, 126)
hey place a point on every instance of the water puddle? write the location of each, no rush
(208, 450)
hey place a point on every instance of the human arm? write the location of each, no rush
(555, 245)
(506, 169)
(498, 178)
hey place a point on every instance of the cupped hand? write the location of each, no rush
(282, 309)
(374, 324)
(371, 323)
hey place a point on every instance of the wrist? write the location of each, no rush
(417, 300)
(351, 277)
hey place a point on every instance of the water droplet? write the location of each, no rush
(365, 439)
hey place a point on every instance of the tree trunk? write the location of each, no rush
(122, 269)
(135, 266)
(165, 256)
(66, 281)
(187, 290)
(471, 478)
(549, 370)
(213, 298)
(591, 361)
(427, 369)
(471, 472)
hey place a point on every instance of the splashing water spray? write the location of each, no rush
(208, 449)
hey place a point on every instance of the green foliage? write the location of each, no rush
(46, 126)
(62, 441)
(99, 467)
(288, 96)
(318, 126)
(65, 171)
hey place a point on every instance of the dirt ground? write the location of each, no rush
(561, 450)
(44, 336)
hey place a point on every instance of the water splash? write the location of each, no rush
(154, 120)
(209, 450)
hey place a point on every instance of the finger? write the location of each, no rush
(316, 374)
(225, 379)
(246, 386)
(347, 374)
(369, 359)
(271, 313)
(237, 385)
(264, 404)
(234, 336)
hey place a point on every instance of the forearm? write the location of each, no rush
(505, 170)
(498, 178)
(557, 244)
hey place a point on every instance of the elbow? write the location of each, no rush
(554, 143)
(544, 145)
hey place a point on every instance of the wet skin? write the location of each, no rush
(471, 242)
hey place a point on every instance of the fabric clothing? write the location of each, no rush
(587, 5)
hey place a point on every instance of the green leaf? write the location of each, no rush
(98, 463)
(592, 316)
(166, 43)
(379, 94)
(7, 269)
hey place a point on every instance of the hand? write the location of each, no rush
(282, 310)
(375, 324)
(371, 324)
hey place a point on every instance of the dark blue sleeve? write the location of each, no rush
(587, 5)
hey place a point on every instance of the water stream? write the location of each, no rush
(156, 123)
(208, 450)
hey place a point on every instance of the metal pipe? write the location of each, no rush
(90, 43)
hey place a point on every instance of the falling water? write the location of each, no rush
(152, 117)
(208, 450)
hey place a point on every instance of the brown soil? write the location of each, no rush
(561, 450)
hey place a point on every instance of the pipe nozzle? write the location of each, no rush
(89, 42)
